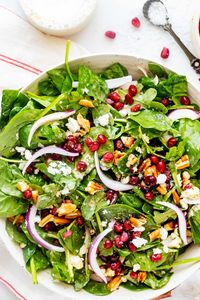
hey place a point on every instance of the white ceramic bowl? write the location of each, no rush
(181, 273)
(195, 35)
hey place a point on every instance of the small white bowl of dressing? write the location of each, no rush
(195, 33)
(58, 17)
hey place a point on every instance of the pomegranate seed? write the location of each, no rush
(71, 138)
(156, 257)
(133, 180)
(29, 170)
(109, 101)
(164, 53)
(110, 34)
(185, 100)
(128, 99)
(112, 196)
(118, 227)
(78, 148)
(67, 234)
(114, 96)
(171, 142)
(136, 234)
(143, 187)
(188, 186)
(154, 159)
(135, 22)
(27, 194)
(80, 221)
(81, 166)
(50, 227)
(118, 242)
(118, 106)
(134, 275)
(103, 258)
(135, 107)
(150, 180)
(132, 90)
(101, 139)
(115, 265)
(127, 225)
(88, 141)
(118, 271)
(108, 157)
(108, 244)
(94, 146)
(114, 257)
(124, 236)
(149, 195)
(165, 101)
(131, 247)
(168, 174)
(161, 166)
(53, 211)
(119, 145)
(55, 156)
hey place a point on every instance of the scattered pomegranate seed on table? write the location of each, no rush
(171, 142)
(164, 53)
(185, 100)
(110, 34)
(136, 22)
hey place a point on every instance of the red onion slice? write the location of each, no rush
(47, 150)
(110, 183)
(181, 220)
(112, 83)
(49, 118)
(30, 225)
(92, 254)
(182, 113)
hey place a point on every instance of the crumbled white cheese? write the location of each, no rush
(136, 267)
(36, 171)
(139, 242)
(21, 165)
(157, 251)
(124, 279)
(59, 167)
(145, 138)
(139, 228)
(130, 160)
(103, 120)
(125, 111)
(163, 233)
(83, 250)
(73, 125)
(161, 179)
(125, 180)
(173, 241)
(138, 149)
(27, 154)
(165, 249)
(179, 179)
(104, 223)
(194, 209)
(20, 150)
(183, 204)
(192, 195)
(85, 90)
(76, 261)
(109, 272)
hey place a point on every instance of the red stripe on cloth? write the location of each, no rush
(20, 62)
(12, 289)
(19, 66)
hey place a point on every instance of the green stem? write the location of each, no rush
(15, 219)
(120, 120)
(67, 60)
(33, 270)
(98, 221)
(174, 176)
(71, 224)
(12, 160)
(180, 262)
(53, 103)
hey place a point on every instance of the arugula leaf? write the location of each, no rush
(114, 71)
(91, 84)
(92, 204)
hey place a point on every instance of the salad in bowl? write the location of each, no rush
(99, 176)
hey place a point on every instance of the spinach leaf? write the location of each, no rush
(114, 71)
(118, 211)
(60, 269)
(97, 288)
(49, 197)
(81, 278)
(75, 241)
(92, 83)
(46, 87)
(11, 206)
(42, 100)
(147, 97)
(158, 70)
(194, 221)
(92, 204)
(152, 119)
(25, 116)
(29, 251)
(8, 99)
(40, 259)
(133, 287)
(15, 234)
(131, 200)
(156, 283)
(176, 152)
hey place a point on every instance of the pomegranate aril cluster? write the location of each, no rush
(72, 144)
(95, 145)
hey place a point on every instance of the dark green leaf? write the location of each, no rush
(114, 71)
(97, 288)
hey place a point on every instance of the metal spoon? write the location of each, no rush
(194, 61)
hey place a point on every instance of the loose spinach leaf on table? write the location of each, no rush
(114, 71)
(97, 288)
(92, 204)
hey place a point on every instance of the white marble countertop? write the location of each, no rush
(147, 41)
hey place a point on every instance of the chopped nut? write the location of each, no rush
(93, 187)
(114, 283)
(117, 156)
(141, 276)
(169, 226)
(183, 162)
(45, 220)
(132, 159)
(189, 233)
(176, 197)
(65, 209)
(151, 171)
(145, 164)
(185, 178)
(18, 221)
(162, 189)
(22, 186)
(86, 103)
(137, 222)
(154, 235)
(128, 141)
(74, 215)
(60, 221)
(84, 123)
(56, 220)
(34, 196)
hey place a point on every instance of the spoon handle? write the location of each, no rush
(194, 61)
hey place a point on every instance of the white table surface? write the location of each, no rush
(147, 41)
